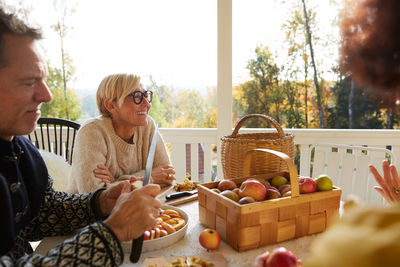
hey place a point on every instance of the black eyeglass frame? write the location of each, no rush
(138, 96)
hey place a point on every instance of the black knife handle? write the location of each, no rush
(136, 249)
(178, 195)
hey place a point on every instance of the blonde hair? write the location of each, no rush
(115, 87)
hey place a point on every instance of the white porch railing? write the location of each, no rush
(177, 138)
(304, 138)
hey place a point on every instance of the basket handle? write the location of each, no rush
(294, 181)
(268, 118)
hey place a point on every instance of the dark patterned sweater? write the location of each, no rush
(31, 209)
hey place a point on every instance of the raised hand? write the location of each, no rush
(389, 184)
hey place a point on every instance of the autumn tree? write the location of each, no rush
(61, 27)
(190, 111)
(163, 103)
(210, 120)
(366, 114)
(262, 94)
(58, 106)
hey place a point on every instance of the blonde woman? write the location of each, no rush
(115, 145)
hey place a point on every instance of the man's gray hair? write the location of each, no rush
(11, 24)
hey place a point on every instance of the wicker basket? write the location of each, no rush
(257, 224)
(235, 146)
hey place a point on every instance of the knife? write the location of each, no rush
(180, 194)
(137, 244)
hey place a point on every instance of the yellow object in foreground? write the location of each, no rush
(366, 236)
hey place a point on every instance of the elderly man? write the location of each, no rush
(30, 208)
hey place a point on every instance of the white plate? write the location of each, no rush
(165, 241)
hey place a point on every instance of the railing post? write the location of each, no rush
(224, 83)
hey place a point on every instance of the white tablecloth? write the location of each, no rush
(189, 245)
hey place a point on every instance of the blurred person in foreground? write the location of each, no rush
(30, 208)
(115, 145)
(370, 54)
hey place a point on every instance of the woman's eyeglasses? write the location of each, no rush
(137, 96)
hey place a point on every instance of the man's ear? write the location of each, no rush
(110, 106)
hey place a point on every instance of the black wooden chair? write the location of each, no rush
(55, 135)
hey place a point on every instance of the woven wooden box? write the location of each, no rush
(257, 224)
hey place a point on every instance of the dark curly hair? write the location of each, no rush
(370, 51)
(10, 24)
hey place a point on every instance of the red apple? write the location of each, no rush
(236, 191)
(147, 235)
(209, 239)
(272, 194)
(307, 185)
(226, 185)
(281, 257)
(285, 188)
(254, 189)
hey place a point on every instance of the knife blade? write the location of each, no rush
(180, 194)
(137, 244)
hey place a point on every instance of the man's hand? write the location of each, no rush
(163, 174)
(134, 211)
(108, 197)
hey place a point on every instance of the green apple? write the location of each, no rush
(277, 181)
(230, 194)
(324, 183)
(216, 190)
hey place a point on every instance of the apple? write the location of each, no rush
(246, 200)
(271, 187)
(209, 239)
(272, 194)
(324, 183)
(261, 180)
(254, 189)
(284, 188)
(226, 185)
(281, 257)
(216, 190)
(278, 180)
(236, 190)
(307, 185)
(147, 235)
(230, 194)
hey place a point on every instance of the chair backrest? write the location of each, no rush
(55, 135)
(347, 165)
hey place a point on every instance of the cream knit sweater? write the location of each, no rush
(97, 143)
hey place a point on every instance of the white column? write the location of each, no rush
(224, 84)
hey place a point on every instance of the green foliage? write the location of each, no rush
(89, 108)
(163, 103)
(157, 111)
(366, 113)
(58, 106)
(210, 120)
(191, 112)
(262, 94)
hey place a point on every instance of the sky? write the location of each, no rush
(175, 41)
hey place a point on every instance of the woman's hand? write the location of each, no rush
(163, 174)
(103, 173)
(390, 183)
